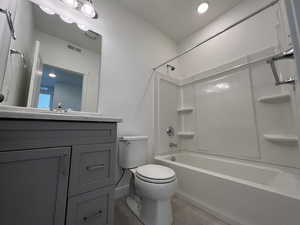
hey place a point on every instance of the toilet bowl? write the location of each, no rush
(154, 184)
(155, 188)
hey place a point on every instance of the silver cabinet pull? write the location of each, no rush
(95, 167)
(9, 21)
(95, 215)
(285, 55)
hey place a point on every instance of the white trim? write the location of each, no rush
(168, 78)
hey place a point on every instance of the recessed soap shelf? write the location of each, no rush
(279, 98)
(186, 134)
(185, 109)
(280, 138)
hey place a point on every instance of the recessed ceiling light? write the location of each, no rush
(47, 10)
(82, 27)
(52, 75)
(203, 7)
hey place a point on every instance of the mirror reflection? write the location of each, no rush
(53, 64)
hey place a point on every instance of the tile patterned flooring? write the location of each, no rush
(184, 214)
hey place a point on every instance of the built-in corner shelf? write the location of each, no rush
(185, 109)
(280, 138)
(186, 134)
(273, 99)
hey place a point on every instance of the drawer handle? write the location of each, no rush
(95, 167)
(88, 218)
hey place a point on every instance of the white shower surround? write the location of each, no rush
(238, 192)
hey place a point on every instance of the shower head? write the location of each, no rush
(173, 68)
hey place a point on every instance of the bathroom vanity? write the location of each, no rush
(56, 169)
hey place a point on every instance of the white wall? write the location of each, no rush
(131, 47)
(55, 52)
(260, 32)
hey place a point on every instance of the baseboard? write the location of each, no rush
(121, 192)
(205, 207)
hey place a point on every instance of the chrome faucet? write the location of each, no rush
(170, 131)
(59, 108)
(173, 145)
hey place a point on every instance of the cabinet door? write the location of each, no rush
(92, 167)
(33, 186)
(92, 208)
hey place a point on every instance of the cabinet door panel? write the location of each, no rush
(92, 167)
(33, 186)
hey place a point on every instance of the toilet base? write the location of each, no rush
(151, 212)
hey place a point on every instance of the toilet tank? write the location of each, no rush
(132, 151)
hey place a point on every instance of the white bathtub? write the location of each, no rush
(240, 193)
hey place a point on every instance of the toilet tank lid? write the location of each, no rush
(133, 138)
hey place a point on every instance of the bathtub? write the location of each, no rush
(240, 193)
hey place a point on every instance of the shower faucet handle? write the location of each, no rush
(173, 145)
(170, 131)
(2, 97)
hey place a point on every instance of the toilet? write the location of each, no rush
(154, 184)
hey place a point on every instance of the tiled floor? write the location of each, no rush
(184, 214)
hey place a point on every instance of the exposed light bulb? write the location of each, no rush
(88, 9)
(66, 19)
(203, 7)
(47, 10)
(82, 27)
(52, 75)
(71, 3)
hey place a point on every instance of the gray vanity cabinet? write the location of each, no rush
(56, 172)
(33, 186)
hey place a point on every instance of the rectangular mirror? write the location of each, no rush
(52, 64)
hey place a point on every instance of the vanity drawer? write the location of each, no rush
(92, 167)
(93, 208)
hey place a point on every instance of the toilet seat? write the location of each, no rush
(155, 174)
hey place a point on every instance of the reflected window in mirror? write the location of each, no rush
(60, 87)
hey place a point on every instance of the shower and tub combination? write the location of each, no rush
(231, 131)
(240, 193)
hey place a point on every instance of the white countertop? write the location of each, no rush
(13, 112)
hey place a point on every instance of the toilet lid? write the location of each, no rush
(155, 172)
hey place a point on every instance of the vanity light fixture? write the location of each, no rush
(52, 75)
(47, 10)
(66, 19)
(82, 27)
(71, 3)
(203, 7)
(88, 9)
